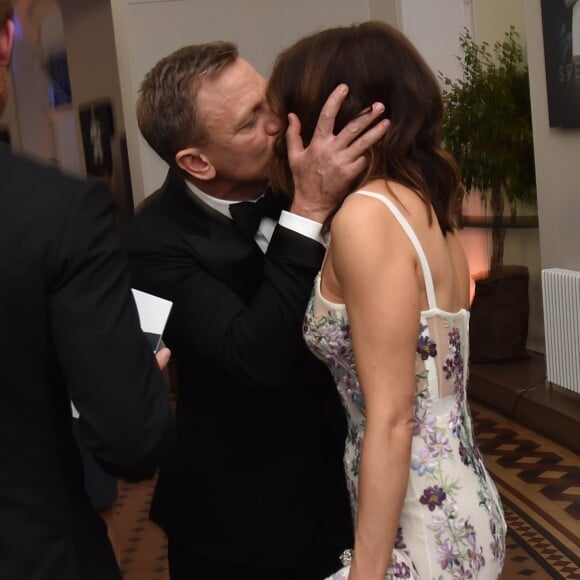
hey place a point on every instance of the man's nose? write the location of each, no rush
(273, 125)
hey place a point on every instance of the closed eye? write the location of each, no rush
(250, 123)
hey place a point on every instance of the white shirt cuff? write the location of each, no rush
(302, 225)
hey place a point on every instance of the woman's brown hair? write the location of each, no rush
(379, 64)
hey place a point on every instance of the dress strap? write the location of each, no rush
(414, 240)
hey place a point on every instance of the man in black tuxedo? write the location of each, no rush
(254, 487)
(69, 330)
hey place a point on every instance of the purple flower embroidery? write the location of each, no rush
(497, 549)
(353, 390)
(454, 422)
(439, 445)
(454, 340)
(468, 532)
(398, 569)
(447, 554)
(423, 463)
(426, 347)
(463, 454)
(399, 540)
(476, 559)
(423, 423)
(453, 366)
(462, 574)
(433, 497)
(345, 328)
(401, 570)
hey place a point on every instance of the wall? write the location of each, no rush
(434, 28)
(557, 154)
(93, 70)
(385, 10)
(62, 118)
(30, 98)
(493, 17)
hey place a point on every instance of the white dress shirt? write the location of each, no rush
(297, 223)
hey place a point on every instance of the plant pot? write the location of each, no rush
(498, 329)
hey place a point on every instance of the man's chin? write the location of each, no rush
(261, 182)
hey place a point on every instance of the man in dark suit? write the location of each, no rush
(69, 330)
(254, 487)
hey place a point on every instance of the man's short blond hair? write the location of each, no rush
(167, 112)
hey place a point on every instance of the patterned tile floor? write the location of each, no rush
(539, 482)
(540, 485)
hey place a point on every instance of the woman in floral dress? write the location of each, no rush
(389, 316)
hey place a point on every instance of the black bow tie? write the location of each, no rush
(247, 215)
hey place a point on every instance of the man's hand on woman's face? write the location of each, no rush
(323, 170)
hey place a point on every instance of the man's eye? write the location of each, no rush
(250, 123)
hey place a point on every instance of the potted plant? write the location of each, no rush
(488, 129)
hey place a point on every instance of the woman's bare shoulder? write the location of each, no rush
(364, 219)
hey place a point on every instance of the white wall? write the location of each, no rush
(30, 98)
(434, 28)
(145, 32)
(52, 30)
(385, 10)
(557, 154)
(93, 70)
(493, 17)
(68, 151)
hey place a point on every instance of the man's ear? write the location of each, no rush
(6, 42)
(195, 163)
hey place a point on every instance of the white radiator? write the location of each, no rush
(561, 297)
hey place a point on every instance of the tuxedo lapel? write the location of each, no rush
(216, 241)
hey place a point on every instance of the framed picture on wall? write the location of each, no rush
(97, 129)
(561, 29)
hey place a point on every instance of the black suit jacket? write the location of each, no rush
(257, 463)
(67, 317)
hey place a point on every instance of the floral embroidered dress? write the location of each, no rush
(452, 524)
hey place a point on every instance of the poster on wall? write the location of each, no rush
(561, 29)
(97, 130)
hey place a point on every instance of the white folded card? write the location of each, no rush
(153, 314)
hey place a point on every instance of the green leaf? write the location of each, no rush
(487, 124)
